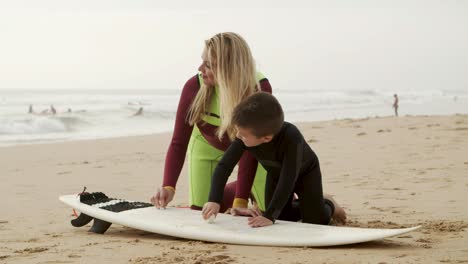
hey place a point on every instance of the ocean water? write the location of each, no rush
(108, 113)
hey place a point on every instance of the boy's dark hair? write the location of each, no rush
(261, 113)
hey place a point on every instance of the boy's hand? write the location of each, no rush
(259, 221)
(210, 209)
(245, 212)
(162, 197)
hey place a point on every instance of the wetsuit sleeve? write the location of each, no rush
(265, 86)
(175, 156)
(288, 176)
(248, 167)
(245, 177)
(224, 169)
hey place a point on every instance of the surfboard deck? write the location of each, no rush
(186, 223)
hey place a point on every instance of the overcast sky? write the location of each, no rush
(98, 44)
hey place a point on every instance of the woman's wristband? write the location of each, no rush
(240, 203)
(170, 188)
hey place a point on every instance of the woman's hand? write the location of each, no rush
(162, 197)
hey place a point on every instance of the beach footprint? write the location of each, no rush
(384, 130)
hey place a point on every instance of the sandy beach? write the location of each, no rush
(387, 172)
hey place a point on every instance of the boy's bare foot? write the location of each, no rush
(339, 216)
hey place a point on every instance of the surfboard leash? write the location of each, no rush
(79, 194)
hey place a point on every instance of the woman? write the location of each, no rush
(226, 76)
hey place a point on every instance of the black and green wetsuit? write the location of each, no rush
(292, 167)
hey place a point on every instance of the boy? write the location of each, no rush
(291, 165)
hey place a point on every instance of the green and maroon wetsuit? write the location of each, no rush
(205, 150)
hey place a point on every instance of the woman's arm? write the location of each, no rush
(247, 167)
(175, 156)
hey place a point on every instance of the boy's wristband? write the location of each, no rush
(240, 203)
(170, 188)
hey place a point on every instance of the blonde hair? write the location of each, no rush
(234, 72)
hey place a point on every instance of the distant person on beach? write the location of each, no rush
(30, 111)
(292, 168)
(226, 76)
(139, 112)
(69, 110)
(395, 104)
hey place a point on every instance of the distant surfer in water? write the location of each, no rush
(139, 112)
(292, 168)
(52, 110)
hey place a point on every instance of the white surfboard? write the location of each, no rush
(189, 224)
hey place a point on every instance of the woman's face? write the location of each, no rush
(207, 70)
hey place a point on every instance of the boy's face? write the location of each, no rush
(249, 138)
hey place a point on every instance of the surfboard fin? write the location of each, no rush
(81, 220)
(99, 226)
